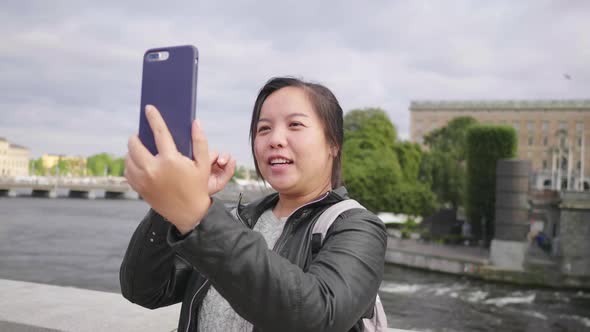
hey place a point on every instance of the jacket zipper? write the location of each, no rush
(279, 244)
(276, 247)
(206, 283)
(190, 308)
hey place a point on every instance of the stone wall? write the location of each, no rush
(574, 234)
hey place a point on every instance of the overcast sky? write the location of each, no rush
(70, 71)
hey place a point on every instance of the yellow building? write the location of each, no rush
(49, 160)
(14, 159)
(76, 165)
(551, 133)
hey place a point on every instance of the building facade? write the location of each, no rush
(14, 159)
(75, 165)
(553, 134)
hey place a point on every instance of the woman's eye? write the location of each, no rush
(263, 128)
(296, 124)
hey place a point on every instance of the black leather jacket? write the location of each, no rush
(289, 288)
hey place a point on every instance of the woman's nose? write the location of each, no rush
(278, 139)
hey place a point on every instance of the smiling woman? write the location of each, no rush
(258, 267)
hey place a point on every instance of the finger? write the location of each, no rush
(213, 155)
(164, 141)
(140, 155)
(132, 173)
(228, 171)
(200, 145)
(223, 159)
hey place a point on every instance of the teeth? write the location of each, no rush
(279, 161)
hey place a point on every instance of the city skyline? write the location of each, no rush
(72, 70)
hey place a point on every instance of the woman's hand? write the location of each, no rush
(172, 184)
(222, 169)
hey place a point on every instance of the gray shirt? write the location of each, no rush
(215, 314)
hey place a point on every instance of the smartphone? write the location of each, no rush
(169, 82)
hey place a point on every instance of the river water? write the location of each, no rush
(80, 243)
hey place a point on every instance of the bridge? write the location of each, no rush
(113, 187)
(77, 187)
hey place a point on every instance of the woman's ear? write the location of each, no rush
(334, 151)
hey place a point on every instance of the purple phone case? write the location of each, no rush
(171, 86)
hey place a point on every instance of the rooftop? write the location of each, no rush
(566, 104)
(16, 146)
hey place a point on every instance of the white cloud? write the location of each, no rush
(71, 71)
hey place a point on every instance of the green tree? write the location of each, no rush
(485, 146)
(240, 172)
(443, 167)
(117, 167)
(36, 166)
(64, 167)
(98, 164)
(370, 168)
(410, 157)
(380, 172)
(371, 125)
(414, 198)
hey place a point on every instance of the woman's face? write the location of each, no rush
(291, 149)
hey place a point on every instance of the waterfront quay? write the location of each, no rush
(75, 187)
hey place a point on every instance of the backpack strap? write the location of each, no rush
(327, 218)
(378, 322)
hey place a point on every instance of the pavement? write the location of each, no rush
(34, 307)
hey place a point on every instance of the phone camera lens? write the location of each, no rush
(153, 56)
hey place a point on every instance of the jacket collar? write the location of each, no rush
(251, 212)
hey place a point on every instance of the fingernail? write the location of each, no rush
(198, 123)
(148, 108)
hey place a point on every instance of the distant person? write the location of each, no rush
(253, 269)
(466, 232)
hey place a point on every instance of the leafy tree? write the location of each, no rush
(370, 167)
(371, 125)
(379, 171)
(240, 172)
(64, 166)
(117, 167)
(485, 146)
(371, 173)
(98, 164)
(413, 198)
(443, 167)
(410, 158)
(36, 167)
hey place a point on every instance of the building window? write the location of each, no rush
(530, 140)
(562, 141)
(516, 125)
(545, 126)
(562, 125)
(544, 164)
(579, 165)
(530, 126)
(579, 141)
(545, 141)
(579, 126)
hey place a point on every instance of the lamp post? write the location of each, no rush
(583, 138)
